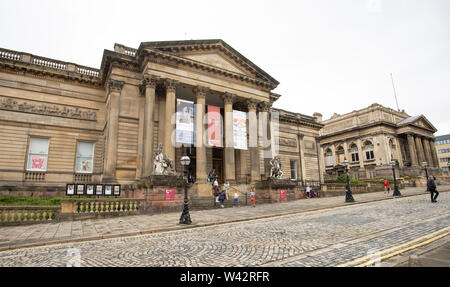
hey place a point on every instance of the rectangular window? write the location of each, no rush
(85, 157)
(355, 155)
(38, 154)
(293, 169)
(369, 154)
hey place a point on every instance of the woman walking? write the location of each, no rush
(252, 195)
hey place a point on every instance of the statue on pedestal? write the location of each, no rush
(275, 168)
(161, 162)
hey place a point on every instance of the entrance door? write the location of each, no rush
(218, 166)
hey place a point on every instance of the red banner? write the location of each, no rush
(170, 194)
(282, 194)
(214, 126)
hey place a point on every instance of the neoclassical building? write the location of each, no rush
(62, 122)
(371, 137)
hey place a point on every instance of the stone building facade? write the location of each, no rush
(443, 151)
(65, 123)
(371, 137)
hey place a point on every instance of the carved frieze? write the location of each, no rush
(288, 142)
(47, 109)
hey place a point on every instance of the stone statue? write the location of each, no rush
(161, 162)
(275, 168)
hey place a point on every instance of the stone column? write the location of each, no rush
(149, 106)
(412, 150)
(419, 149)
(433, 152)
(266, 136)
(301, 152)
(114, 89)
(427, 151)
(320, 161)
(229, 162)
(253, 146)
(399, 151)
(200, 148)
(360, 153)
(169, 127)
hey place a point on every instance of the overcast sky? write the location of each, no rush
(329, 56)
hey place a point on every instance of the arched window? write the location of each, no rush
(368, 150)
(329, 157)
(354, 153)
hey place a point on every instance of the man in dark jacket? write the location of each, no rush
(431, 186)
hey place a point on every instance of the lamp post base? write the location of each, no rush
(349, 196)
(396, 192)
(185, 216)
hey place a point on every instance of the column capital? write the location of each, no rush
(150, 81)
(115, 85)
(252, 105)
(228, 98)
(300, 135)
(265, 106)
(170, 84)
(200, 91)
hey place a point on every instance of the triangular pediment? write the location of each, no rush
(419, 121)
(217, 60)
(215, 53)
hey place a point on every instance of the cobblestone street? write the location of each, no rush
(327, 237)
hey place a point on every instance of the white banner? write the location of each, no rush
(240, 129)
(185, 122)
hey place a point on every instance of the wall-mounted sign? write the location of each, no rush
(116, 190)
(170, 194)
(282, 194)
(90, 189)
(70, 189)
(99, 189)
(80, 189)
(108, 189)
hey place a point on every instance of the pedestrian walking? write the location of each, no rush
(222, 196)
(431, 186)
(236, 199)
(252, 195)
(308, 192)
(386, 186)
(216, 190)
(227, 189)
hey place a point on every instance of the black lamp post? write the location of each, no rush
(396, 191)
(348, 193)
(185, 216)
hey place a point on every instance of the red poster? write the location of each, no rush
(214, 126)
(282, 193)
(170, 194)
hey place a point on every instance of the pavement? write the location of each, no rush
(307, 232)
(14, 237)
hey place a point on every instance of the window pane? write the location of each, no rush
(84, 164)
(38, 146)
(85, 149)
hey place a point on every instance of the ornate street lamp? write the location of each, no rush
(348, 193)
(185, 216)
(396, 191)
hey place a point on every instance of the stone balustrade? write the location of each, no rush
(10, 55)
(34, 176)
(50, 63)
(84, 208)
(17, 215)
